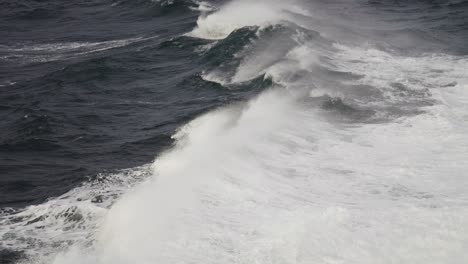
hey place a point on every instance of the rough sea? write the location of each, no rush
(233, 132)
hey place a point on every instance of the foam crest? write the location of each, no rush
(241, 13)
(203, 6)
(177, 194)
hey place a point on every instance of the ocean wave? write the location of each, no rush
(329, 150)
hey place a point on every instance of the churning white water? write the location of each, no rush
(279, 180)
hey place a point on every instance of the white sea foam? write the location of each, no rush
(238, 14)
(204, 6)
(71, 218)
(214, 76)
(273, 180)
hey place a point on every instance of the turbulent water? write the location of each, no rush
(242, 131)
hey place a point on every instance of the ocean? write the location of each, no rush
(233, 131)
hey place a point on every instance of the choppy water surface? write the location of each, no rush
(233, 131)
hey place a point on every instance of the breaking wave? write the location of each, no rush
(351, 151)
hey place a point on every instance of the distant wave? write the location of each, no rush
(40, 53)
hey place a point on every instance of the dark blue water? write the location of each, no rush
(94, 86)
